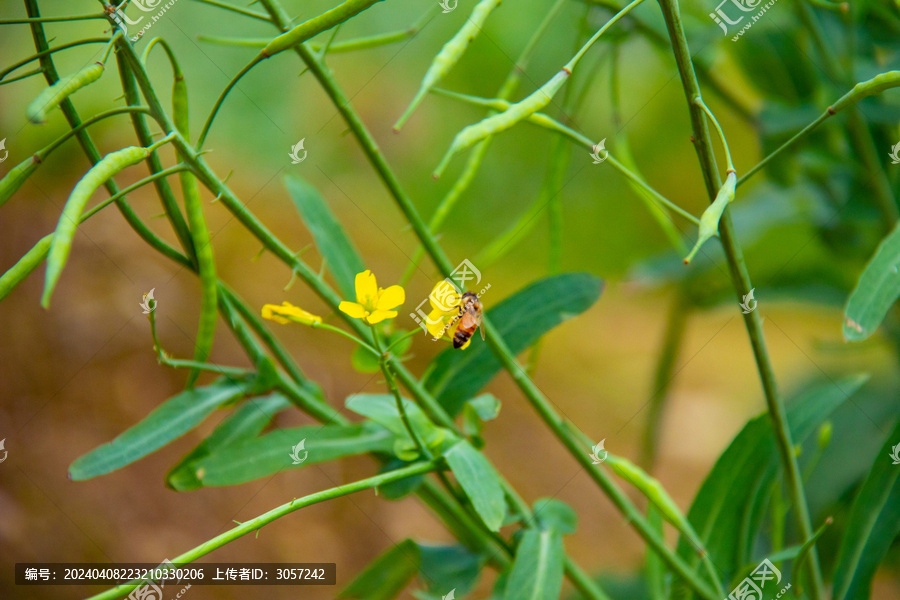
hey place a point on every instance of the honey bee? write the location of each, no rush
(470, 317)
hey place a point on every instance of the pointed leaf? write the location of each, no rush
(386, 576)
(247, 421)
(446, 568)
(479, 481)
(272, 453)
(555, 514)
(341, 257)
(537, 571)
(874, 525)
(166, 423)
(521, 319)
(382, 408)
(878, 288)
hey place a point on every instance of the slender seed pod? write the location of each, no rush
(494, 124)
(316, 25)
(450, 54)
(23, 268)
(59, 91)
(193, 206)
(709, 220)
(873, 86)
(111, 164)
(13, 180)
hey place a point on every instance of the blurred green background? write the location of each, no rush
(77, 375)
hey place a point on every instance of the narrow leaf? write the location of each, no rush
(338, 252)
(537, 571)
(246, 422)
(874, 525)
(386, 576)
(275, 452)
(521, 319)
(166, 423)
(878, 288)
(479, 481)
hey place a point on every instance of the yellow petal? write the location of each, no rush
(436, 322)
(380, 315)
(444, 297)
(366, 288)
(270, 312)
(357, 311)
(390, 298)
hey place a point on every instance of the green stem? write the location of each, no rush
(87, 144)
(742, 284)
(257, 523)
(699, 102)
(797, 136)
(395, 391)
(587, 46)
(134, 186)
(33, 20)
(48, 51)
(44, 152)
(373, 351)
(237, 9)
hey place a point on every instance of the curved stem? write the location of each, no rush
(699, 102)
(742, 285)
(257, 523)
(44, 152)
(215, 109)
(33, 20)
(134, 186)
(237, 9)
(48, 51)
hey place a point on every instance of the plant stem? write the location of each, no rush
(87, 144)
(392, 386)
(48, 51)
(276, 513)
(741, 281)
(236, 9)
(33, 20)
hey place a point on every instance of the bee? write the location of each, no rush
(470, 317)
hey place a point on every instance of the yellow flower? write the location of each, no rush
(444, 300)
(373, 304)
(287, 312)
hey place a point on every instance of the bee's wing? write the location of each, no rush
(480, 322)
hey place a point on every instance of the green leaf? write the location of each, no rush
(338, 252)
(446, 568)
(247, 421)
(401, 488)
(728, 509)
(537, 571)
(873, 526)
(877, 290)
(478, 410)
(521, 319)
(556, 515)
(168, 422)
(479, 481)
(363, 361)
(387, 575)
(271, 453)
(382, 408)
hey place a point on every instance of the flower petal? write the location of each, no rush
(444, 297)
(390, 298)
(270, 312)
(436, 322)
(287, 312)
(380, 315)
(357, 311)
(366, 288)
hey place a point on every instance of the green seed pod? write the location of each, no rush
(25, 265)
(709, 220)
(206, 265)
(494, 124)
(17, 176)
(652, 490)
(316, 25)
(450, 54)
(111, 164)
(59, 91)
(876, 85)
